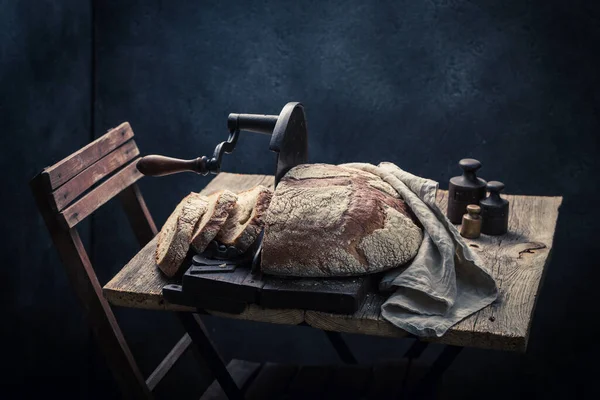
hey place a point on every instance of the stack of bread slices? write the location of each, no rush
(230, 219)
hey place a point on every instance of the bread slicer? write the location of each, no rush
(219, 279)
(289, 139)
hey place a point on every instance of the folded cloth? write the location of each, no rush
(446, 281)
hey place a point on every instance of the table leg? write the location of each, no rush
(197, 331)
(341, 347)
(415, 351)
(439, 366)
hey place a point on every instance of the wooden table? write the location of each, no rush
(517, 261)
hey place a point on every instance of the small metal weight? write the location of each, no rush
(471, 222)
(464, 190)
(494, 211)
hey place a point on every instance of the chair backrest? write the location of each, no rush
(68, 192)
(82, 182)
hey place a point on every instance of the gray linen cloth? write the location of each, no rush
(446, 281)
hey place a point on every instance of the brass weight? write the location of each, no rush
(471, 222)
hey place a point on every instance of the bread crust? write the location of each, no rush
(174, 238)
(325, 220)
(244, 225)
(220, 205)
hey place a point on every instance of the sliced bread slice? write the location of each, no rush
(175, 236)
(245, 220)
(219, 206)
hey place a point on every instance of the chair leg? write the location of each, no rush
(197, 331)
(96, 309)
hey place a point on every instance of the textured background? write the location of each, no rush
(419, 83)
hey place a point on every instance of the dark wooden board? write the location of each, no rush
(231, 285)
(174, 293)
(328, 295)
(240, 285)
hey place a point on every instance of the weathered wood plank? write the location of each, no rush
(68, 192)
(241, 371)
(167, 363)
(516, 260)
(89, 203)
(67, 168)
(139, 284)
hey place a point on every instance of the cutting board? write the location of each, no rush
(232, 291)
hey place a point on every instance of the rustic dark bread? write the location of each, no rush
(219, 206)
(174, 238)
(326, 220)
(245, 220)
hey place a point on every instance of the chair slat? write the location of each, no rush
(89, 203)
(67, 168)
(68, 192)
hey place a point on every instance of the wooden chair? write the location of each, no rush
(70, 191)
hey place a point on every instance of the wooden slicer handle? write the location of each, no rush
(154, 165)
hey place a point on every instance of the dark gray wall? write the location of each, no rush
(421, 84)
(45, 114)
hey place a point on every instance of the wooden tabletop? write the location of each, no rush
(517, 260)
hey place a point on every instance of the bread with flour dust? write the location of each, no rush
(220, 205)
(333, 221)
(245, 221)
(175, 236)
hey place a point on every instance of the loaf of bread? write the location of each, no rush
(175, 236)
(245, 220)
(332, 221)
(219, 206)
